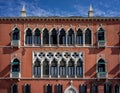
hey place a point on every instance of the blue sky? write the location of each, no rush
(12, 8)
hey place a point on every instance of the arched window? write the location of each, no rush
(54, 34)
(101, 69)
(94, 88)
(101, 34)
(107, 88)
(79, 37)
(45, 68)
(79, 68)
(70, 37)
(101, 37)
(15, 65)
(117, 89)
(45, 36)
(58, 88)
(62, 37)
(16, 34)
(28, 36)
(88, 36)
(83, 88)
(62, 68)
(37, 37)
(37, 68)
(27, 88)
(101, 66)
(48, 88)
(14, 88)
(54, 68)
(71, 68)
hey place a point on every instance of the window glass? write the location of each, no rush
(27, 88)
(37, 68)
(58, 88)
(83, 88)
(88, 36)
(107, 88)
(46, 68)
(37, 37)
(14, 88)
(62, 37)
(54, 35)
(15, 34)
(79, 37)
(45, 36)
(70, 37)
(79, 68)
(28, 37)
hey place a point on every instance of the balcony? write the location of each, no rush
(15, 75)
(101, 43)
(102, 75)
(15, 43)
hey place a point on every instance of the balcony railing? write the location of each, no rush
(15, 75)
(101, 43)
(15, 43)
(102, 75)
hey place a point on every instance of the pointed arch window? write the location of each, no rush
(45, 68)
(27, 88)
(107, 88)
(62, 68)
(88, 36)
(14, 88)
(101, 37)
(28, 36)
(117, 89)
(79, 37)
(15, 69)
(58, 88)
(54, 35)
(94, 88)
(37, 37)
(15, 65)
(83, 88)
(79, 68)
(70, 37)
(48, 88)
(37, 68)
(45, 36)
(54, 69)
(62, 37)
(71, 68)
(101, 34)
(16, 34)
(101, 69)
(101, 66)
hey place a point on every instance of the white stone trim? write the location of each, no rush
(71, 87)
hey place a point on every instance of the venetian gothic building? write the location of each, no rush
(59, 54)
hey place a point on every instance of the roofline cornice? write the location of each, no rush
(59, 19)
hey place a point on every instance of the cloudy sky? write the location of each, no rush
(108, 8)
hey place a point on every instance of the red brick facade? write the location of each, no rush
(91, 54)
